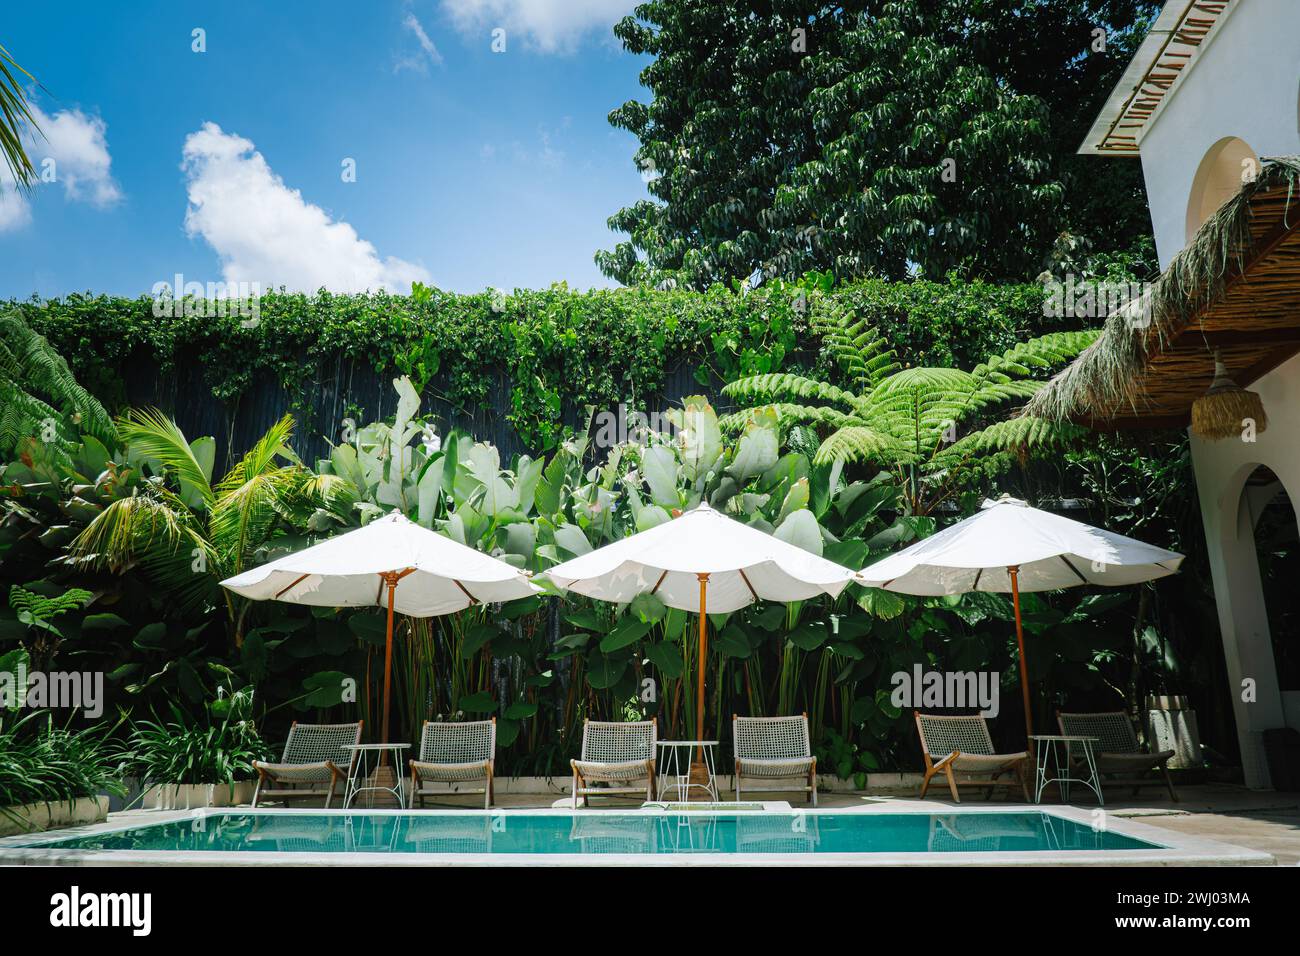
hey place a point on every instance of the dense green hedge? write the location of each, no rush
(557, 345)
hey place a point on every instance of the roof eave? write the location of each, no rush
(1170, 51)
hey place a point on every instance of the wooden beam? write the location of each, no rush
(1233, 338)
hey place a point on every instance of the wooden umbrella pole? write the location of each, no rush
(1014, 571)
(704, 643)
(391, 580)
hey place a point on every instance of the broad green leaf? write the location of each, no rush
(479, 703)
(800, 529)
(626, 632)
(667, 659)
(659, 468)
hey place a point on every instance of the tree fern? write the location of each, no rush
(41, 398)
(923, 422)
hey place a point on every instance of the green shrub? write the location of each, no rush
(43, 763)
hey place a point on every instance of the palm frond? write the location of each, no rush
(129, 529)
(152, 434)
(14, 117)
(248, 499)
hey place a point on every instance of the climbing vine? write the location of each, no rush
(555, 345)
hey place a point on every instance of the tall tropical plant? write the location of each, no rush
(186, 532)
(934, 427)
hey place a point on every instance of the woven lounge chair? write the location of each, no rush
(774, 748)
(1117, 751)
(452, 753)
(313, 754)
(961, 745)
(615, 755)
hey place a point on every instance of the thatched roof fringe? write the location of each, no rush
(1103, 376)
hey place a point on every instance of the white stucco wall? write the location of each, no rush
(1222, 469)
(1246, 83)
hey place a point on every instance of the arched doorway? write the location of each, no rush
(1227, 165)
(1277, 545)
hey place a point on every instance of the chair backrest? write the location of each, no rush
(942, 735)
(770, 738)
(1113, 730)
(466, 742)
(313, 743)
(614, 742)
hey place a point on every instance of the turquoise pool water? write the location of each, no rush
(763, 832)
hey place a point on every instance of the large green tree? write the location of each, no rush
(871, 137)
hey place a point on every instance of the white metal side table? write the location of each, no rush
(1056, 749)
(362, 771)
(674, 768)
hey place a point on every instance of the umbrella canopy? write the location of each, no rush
(391, 561)
(742, 564)
(1010, 547)
(705, 562)
(1049, 551)
(444, 576)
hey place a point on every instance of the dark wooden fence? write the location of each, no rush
(342, 389)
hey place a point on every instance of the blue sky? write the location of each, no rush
(474, 169)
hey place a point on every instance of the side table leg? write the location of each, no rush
(1040, 771)
(1092, 771)
(708, 767)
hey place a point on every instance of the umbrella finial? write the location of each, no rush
(1003, 499)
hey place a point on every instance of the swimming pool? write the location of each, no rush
(605, 833)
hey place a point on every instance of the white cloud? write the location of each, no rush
(265, 232)
(15, 209)
(417, 62)
(72, 148)
(79, 146)
(552, 26)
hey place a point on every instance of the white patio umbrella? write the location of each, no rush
(1009, 546)
(704, 562)
(425, 574)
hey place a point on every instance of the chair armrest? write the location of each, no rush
(939, 764)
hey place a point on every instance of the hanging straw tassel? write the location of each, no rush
(1223, 411)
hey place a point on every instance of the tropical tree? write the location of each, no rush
(870, 137)
(933, 427)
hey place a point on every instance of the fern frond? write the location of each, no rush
(36, 387)
(858, 443)
(1021, 436)
(857, 347)
(1045, 352)
(783, 387)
